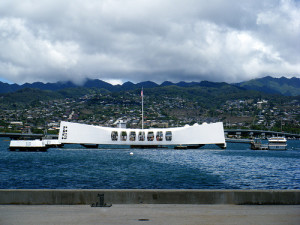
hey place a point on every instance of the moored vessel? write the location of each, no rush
(258, 145)
(28, 145)
(277, 143)
(34, 145)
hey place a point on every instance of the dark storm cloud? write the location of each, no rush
(155, 40)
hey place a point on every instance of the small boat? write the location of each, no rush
(258, 145)
(277, 143)
(34, 145)
(28, 146)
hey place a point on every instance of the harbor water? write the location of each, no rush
(75, 167)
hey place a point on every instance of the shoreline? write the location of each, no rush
(148, 196)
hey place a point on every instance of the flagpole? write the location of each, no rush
(142, 109)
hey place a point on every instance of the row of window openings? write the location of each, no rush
(141, 136)
(65, 132)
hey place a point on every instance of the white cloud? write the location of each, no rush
(281, 28)
(155, 40)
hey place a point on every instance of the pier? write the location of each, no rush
(150, 214)
(148, 196)
(150, 206)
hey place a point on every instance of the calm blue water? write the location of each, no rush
(237, 167)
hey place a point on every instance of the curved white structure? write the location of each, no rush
(191, 136)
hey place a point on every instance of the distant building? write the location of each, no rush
(16, 123)
(259, 105)
(120, 124)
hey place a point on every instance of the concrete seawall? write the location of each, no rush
(140, 196)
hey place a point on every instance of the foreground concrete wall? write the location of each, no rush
(136, 196)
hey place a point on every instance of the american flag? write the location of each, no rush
(142, 93)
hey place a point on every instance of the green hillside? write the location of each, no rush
(284, 86)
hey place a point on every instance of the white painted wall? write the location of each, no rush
(76, 133)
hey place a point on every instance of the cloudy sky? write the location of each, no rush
(157, 40)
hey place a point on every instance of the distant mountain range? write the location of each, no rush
(283, 86)
(99, 84)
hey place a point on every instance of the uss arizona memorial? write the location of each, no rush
(180, 137)
(189, 136)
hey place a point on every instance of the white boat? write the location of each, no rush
(33, 145)
(277, 143)
(28, 145)
(191, 136)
